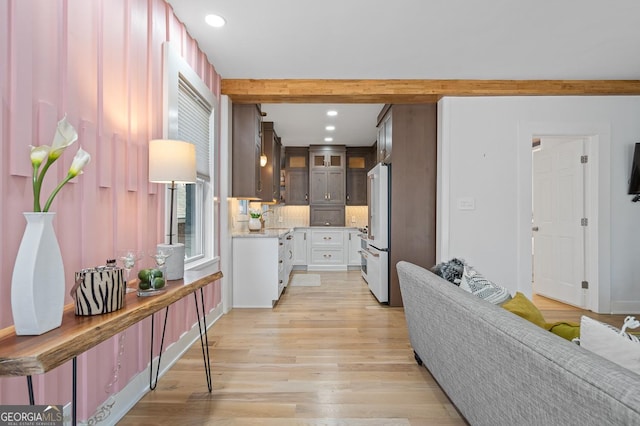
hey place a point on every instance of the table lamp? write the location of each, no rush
(171, 162)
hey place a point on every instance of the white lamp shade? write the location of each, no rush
(172, 161)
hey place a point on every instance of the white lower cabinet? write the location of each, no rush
(327, 249)
(260, 270)
(300, 237)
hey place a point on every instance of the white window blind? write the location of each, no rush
(193, 123)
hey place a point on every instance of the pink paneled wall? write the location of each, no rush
(100, 63)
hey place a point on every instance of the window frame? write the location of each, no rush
(174, 69)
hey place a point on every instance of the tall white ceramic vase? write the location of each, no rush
(37, 285)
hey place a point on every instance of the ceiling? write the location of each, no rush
(409, 39)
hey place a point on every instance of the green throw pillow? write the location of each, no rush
(566, 329)
(524, 308)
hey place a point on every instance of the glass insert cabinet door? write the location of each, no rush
(327, 160)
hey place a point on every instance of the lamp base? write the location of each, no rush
(175, 262)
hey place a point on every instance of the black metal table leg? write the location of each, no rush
(74, 393)
(32, 400)
(153, 385)
(204, 339)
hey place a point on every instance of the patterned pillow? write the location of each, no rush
(609, 342)
(450, 271)
(473, 282)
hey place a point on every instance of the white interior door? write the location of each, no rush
(558, 209)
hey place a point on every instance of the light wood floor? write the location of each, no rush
(556, 311)
(327, 355)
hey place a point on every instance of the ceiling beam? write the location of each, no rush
(411, 91)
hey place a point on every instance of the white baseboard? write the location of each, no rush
(625, 306)
(138, 386)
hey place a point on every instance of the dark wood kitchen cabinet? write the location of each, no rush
(327, 185)
(296, 169)
(385, 135)
(359, 161)
(246, 180)
(270, 172)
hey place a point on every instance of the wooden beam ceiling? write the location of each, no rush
(411, 91)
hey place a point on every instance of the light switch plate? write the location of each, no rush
(466, 203)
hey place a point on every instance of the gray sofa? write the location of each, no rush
(499, 369)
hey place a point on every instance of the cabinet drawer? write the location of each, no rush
(327, 256)
(326, 238)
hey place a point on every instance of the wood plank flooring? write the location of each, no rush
(327, 355)
(556, 311)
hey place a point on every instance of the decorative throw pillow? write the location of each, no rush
(476, 284)
(450, 271)
(565, 329)
(607, 341)
(524, 308)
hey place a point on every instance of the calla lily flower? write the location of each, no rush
(65, 136)
(39, 154)
(79, 161)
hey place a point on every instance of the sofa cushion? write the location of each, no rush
(524, 308)
(607, 341)
(566, 329)
(450, 270)
(476, 284)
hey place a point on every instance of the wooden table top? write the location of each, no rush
(28, 355)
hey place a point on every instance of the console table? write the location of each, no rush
(28, 355)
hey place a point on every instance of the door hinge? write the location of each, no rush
(584, 221)
(585, 285)
(584, 159)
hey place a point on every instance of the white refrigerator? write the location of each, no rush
(378, 236)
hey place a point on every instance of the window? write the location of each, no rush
(190, 116)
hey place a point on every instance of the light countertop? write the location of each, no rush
(279, 232)
(265, 233)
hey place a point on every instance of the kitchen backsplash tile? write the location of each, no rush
(291, 216)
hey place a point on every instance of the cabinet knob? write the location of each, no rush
(280, 261)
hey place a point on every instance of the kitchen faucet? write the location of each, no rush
(262, 217)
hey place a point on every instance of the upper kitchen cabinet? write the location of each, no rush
(270, 172)
(327, 175)
(246, 141)
(296, 165)
(327, 157)
(359, 162)
(385, 135)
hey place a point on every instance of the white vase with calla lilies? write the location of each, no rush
(37, 284)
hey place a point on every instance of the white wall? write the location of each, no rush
(484, 154)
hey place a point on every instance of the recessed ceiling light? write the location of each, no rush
(330, 128)
(332, 113)
(328, 139)
(215, 21)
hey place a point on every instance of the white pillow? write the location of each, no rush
(476, 284)
(606, 341)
